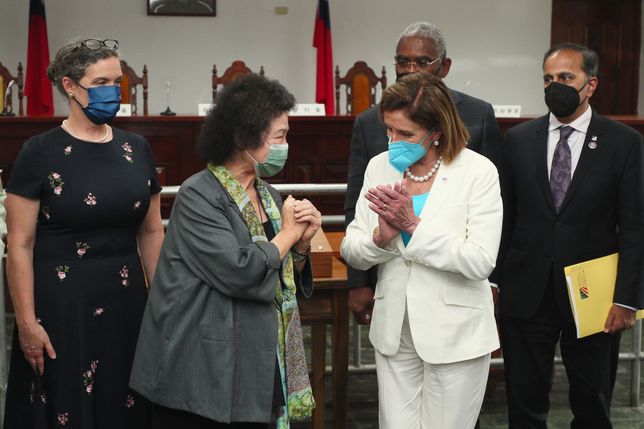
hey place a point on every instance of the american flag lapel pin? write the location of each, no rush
(593, 142)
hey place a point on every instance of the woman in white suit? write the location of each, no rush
(431, 220)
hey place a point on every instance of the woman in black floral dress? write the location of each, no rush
(84, 231)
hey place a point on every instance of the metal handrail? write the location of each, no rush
(636, 364)
(286, 189)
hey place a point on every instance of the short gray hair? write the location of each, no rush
(73, 59)
(429, 31)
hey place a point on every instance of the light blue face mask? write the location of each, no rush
(402, 153)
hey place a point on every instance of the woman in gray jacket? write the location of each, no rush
(221, 344)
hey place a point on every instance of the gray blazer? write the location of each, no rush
(209, 333)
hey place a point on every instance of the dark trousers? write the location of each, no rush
(528, 354)
(168, 418)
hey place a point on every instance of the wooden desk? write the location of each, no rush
(335, 240)
(328, 306)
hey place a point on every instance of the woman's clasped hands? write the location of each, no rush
(395, 210)
(303, 218)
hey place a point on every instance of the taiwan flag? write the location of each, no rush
(324, 88)
(38, 89)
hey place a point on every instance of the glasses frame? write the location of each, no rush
(416, 64)
(101, 43)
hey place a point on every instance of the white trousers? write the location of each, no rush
(415, 394)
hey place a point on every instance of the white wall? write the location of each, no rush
(496, 45)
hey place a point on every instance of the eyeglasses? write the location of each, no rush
(93, 44)
(419, 63)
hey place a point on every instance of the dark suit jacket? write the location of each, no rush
(602, 213)
(369, 138)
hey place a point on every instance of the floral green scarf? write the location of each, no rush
(290, 348)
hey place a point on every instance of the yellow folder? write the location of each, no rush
(591, 286)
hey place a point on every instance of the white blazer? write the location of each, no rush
(441, 276)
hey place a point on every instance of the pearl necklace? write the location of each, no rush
(426, 177)
(86, 139)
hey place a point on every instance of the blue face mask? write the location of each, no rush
(402, 154)
(102, 103)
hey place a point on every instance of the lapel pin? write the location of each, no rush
(592, 144)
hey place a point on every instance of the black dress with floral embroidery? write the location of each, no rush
(89, 286)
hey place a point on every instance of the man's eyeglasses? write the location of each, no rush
(93, 44)
(419, 63)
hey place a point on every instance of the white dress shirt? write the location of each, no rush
(575, 141)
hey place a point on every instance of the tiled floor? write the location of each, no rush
(363, 402)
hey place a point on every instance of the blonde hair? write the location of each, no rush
(427, 102)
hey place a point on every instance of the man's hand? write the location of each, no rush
(619, 319)
(495, 295)
(361, 303)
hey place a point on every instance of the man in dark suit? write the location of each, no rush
(420, 48)
(573, 192)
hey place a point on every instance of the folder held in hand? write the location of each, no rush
(591, 287)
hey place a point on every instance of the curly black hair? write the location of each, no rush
(242, 114)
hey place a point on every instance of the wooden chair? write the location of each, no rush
(238, 68)
(360, 87)
(129, 88)
(7, 94)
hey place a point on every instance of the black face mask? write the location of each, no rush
(562, 100)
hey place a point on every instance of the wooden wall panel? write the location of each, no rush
(319, 148)
(612, 28)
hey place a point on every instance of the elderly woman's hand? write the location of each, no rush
(289, 222)
(305, 211)
(394, 205)
(385, 231)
